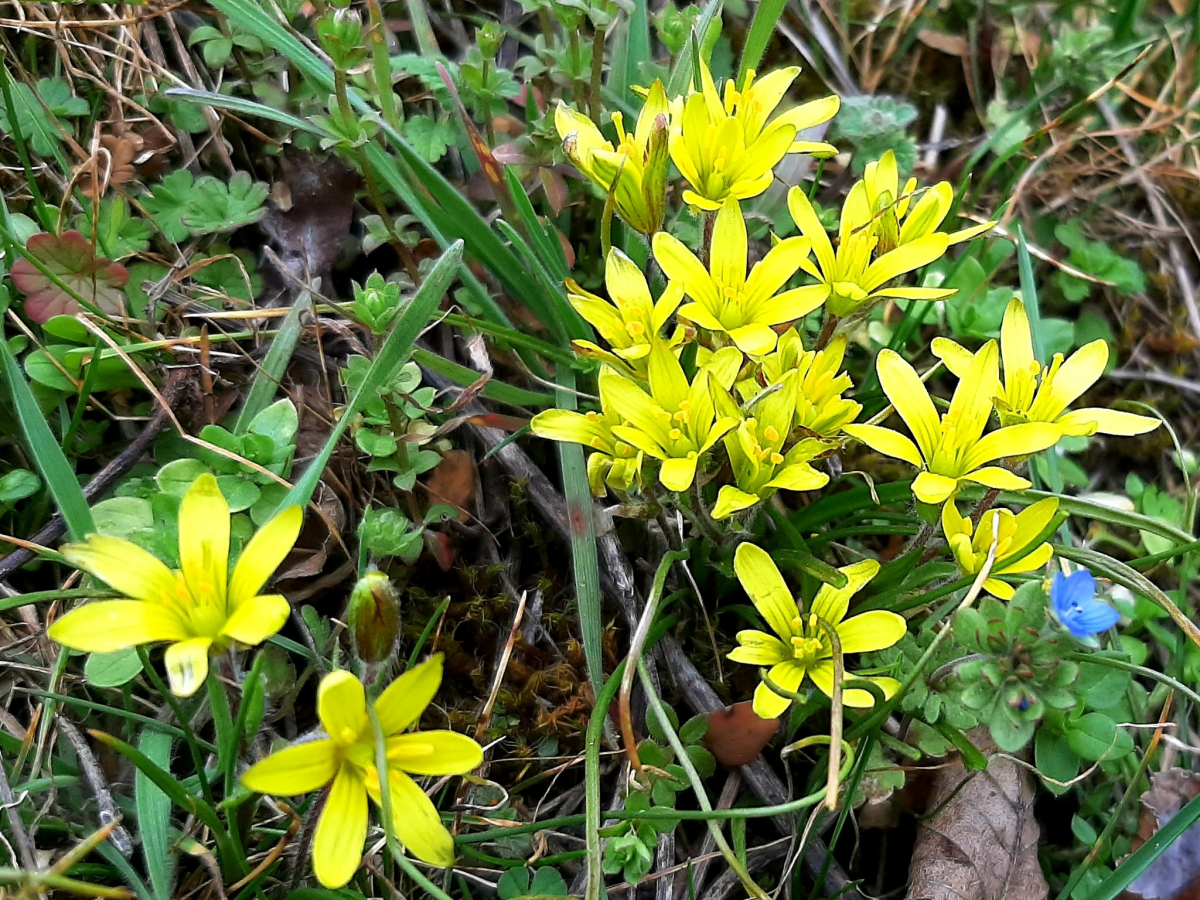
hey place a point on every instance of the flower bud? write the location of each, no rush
(373, 618)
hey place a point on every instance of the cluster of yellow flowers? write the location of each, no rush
(201, 611)
(775, 407)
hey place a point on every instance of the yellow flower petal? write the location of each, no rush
(1076, 375)
(754, 340)
(831, 603)
(187, 665)
(792, 305)
(810, 227)
(910, 398)
(773, 271)
(573, 427)
(728, 251)
(872, 630)
(104, 626)
(417, 823)
(885, 441)
(1016, 340)
(730, 500)
(341, 830)
(633, 404)
(434, 753)
(1105, 421)
(995, 477)
(798, 477)
(822, 675)
(204, 540)
(757, 648)
(262, 556)
(904, 258)
(125, 567)
(998, 588)
(293, 770)
(954, 356)
(1031, 562)
(814, 112)
(626, 284)
(402, 703)
(342, 707)
(678, 474)
(680, 264)
(931, 488)
(698, 313)
(786, 675)
(764, 585)
(257, 619)
(971, 405)
(1013, 441)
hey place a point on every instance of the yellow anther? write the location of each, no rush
(637, 329)
(596, 443)
(771, 433)
(777, 458)
(674, 434)
(592, 415)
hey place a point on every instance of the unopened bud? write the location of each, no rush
(374, 618)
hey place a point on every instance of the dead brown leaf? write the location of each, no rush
(981, 840)
(951, 44)
(111, 164)
(453, 481)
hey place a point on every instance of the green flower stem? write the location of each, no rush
(697, 786)
(591, 819)
(636, 644)
(227, 752)
(385, 804)
(835, 714)
(594, 101)
(185, 723)
(253, 677)
(383, 66)
(1101, 660)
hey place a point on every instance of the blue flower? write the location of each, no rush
(1073, 603)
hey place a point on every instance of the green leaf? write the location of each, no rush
(213, 206)
(17, 485)
(375, 444)
(38, 127)
(123, 516)
(51, 463)
(396, 348)
(177, 476)
(111, 670)
(279, 422)
(1054, 758)
(167, 202)
(154, 816)
(429, 136)
(1093, 736)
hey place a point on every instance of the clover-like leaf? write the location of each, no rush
(214, 206)
(73, 261)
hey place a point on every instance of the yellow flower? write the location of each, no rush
(820, 408)
(631, 321)
(727, 148)
(635, 173)
(345, 758)
(724, 299)
(1035, 393)
(799, 645)
(896, 219)
(1016, 535)
(850, 278)
(676, 422)
(760, 465)
(200, 609)
(614, 462)
(952, 448)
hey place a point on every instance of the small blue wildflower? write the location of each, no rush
(1073, 603)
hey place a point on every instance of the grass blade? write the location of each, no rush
(681, 76)
(766, 17)
(154, 815)
(52, 464)
(1141, 859)
(395, 350)
(586, 566)
(270, 374)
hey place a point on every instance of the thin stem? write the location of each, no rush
(185, 724)
(835, 714)
(702, 518)
(597, 71)
(827, 330)
(697, 785)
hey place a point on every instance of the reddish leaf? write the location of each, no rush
(453, 481)
(737, 734)
(72, 258)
